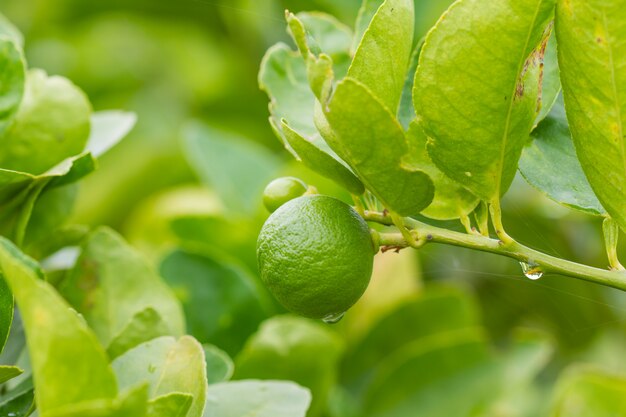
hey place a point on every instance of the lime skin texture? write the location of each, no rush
(315, 255)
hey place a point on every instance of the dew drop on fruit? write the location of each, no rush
(531, 270)
(333, 318)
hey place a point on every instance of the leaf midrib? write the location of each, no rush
(507, 125)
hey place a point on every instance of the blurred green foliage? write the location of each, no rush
(437, 333)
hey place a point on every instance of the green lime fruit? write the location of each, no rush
(315, 254)
(281, 190)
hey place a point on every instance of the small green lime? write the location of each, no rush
(315, 255)
(281, 190)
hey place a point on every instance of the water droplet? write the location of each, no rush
(531, 270)
(333, 318)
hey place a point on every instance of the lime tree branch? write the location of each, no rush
(512, 249)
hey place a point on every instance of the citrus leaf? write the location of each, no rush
(175, 404)
(63, 351)
(587, 392)
(453, 309)
(236, 168)
(12, 78)
(142, 327)
(283, 76)
(451, 200)
(551, 86)
(17, 402)
(366, 135)
(592, 58)
(221, 302)
(300, 351)
(107, 129)
(382, 58)
(414, 377)
(219, 366)
(130, 404)
(258, 398)
(477, 91)
(51, 124)
(168, 366)
(108, 287)
(9, 30)
(364, 17)
(549, 163)
(9, 372)
(406, 111)
(318, 156)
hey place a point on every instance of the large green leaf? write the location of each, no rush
(12, 79)
(68, 363)
(367, 136)
(413, 379)
(52, 124)
(143, 326)
(451, 200)
(236, 168)
(477, 91)
(257, 398)
(9, 30)
(382, 58)
(108, 287)
(299, 350)
(222, 304)
(585, 392)
(549, 163)
(168, 366)
(453, 309)
(592, 57)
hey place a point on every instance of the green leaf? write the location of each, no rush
(412, 380)
(366, 12)
(6, 311)
(9, 372)
(168, 366)
(142, 327)
(108, 128)
(299, 350)
(406, 111)
(551, 86)
(367, 136)
(175, 404)
(318, 156)
(18, 402)
(258, 398)
(381, 60)
(63, 351)
(451, 200)
(283, 76)
(237, 169)
(453, 309)
(12, 79)
(133, 403)
(549, 163)
(586, 392)
(219, 366)
(476, 91)
(9, 30)
(108, 287)
(222, 304)
(52, 124)
(592, 58)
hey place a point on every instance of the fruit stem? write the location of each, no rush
(512, 249)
